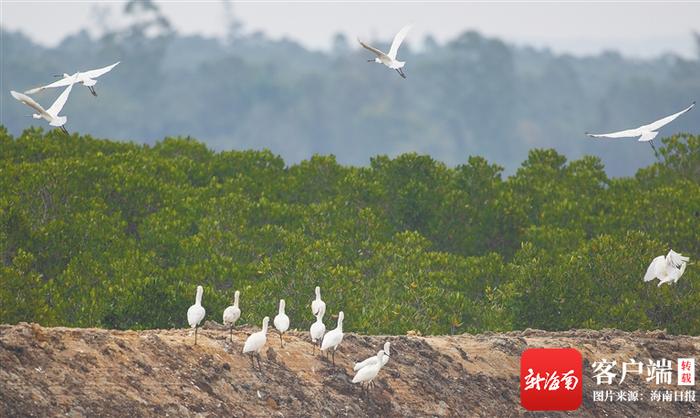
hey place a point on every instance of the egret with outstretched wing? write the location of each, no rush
(646, 133)
(667, 269)
(390, 59)
(87, 78)
(51, 114)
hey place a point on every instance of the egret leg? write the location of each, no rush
(195, 335)
(92, 90)
(333, 356)
(656, 153)
(400, 71)
(230, 334)
(65, 131)
(281, 341)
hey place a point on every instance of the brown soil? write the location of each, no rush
(96, 372)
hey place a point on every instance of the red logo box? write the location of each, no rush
(551, 379)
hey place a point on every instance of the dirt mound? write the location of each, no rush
(96, 372)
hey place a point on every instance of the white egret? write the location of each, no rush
(87, 78)
(371, 360)
(318, 328)
(390, 59)
(646, 133)
(195, 314)
(334, 337)
(317, 303)
(368, 373)
(232, 313)
(256, 341)
(281, 321)
(51, 114)
(667, 269)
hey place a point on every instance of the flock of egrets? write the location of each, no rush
(668, 269)
(646, 133)
(366, 370)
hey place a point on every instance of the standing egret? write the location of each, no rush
(87, 78)
(232, 313)
(390, 59)
(368, 373)
(51, 114)
(317, 303)
(667, 269)
(317, 328)
(371, 360)
(334, 337)
(256, 341)
(281, 321)
(646, 133)
(196, 312)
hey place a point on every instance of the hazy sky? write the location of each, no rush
(635, 28)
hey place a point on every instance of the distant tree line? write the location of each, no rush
(473, 95)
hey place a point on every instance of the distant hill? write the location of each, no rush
(471, 96)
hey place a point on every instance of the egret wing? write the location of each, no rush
(668, 119)
(371, 48)
(98, 72)
(677, 273)
(60, 83)
(61, 101)
(651, 270)
(629, 133)
(676, 259)
(398, 39)
(30, 102)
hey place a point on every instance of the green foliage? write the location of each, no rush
(102, 233)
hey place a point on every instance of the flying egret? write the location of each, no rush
(334, 337)
(368, 373)
(646, 133)
(317, 303)
(256, 341)
(51, 114)
(87, 78)
(373, 359)
(196, 312)
(281, 321)
(390, 59)
(317, 328)
(232, 313)
(667, 269)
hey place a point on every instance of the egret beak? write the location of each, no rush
(370, 60)
(58, 75)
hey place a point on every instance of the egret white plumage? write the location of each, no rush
(87, 78)
(668, 269)
(389, 59)
(646, 133)
(232, 313)
(334, 337)
(371, 360)
(51, 114)
(196, 312)
(369, 372)
(317, 303)
(281, 321)
(318, 328)
(256, 341)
